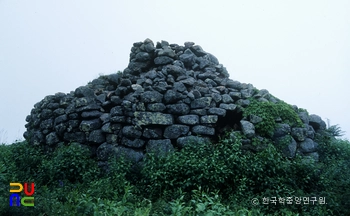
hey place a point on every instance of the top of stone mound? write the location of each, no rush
(144, 56)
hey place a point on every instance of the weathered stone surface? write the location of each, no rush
(188, 119)
(156, 107)
(228, 106)
(234, 84)
(201, 102)
(198, 51)
(90, 125)
(182, 141)
(172, 96)
(107, 128)
(246, 93)
(97, 136)
(316, 122)
(104, 151)
(226, 99)
(304, 117)
(46, 124)
(175, 131)
(153, 118)
(84, 91)
(281, 130)
(179, 86)
(111, 138)
(152, 133)
(203, 130)
(209, 119)
(243, 103)
(79, 137)
(235, 95)
(310, 133)
(175, 71)
(151, 97)
(134, 143)
(217, 111)
(60, 129)
(118, 119)
(299, 134)
(247, 128)
(129, 154)
(255, 119)
(60, 119)
(159, 147)
(308, 146)
(188, 58)
(52, 139)
(131, 132)
(142, 56)
(178, 109)
(199, 112)
(91, 114)
(190, 81)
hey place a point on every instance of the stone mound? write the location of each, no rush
(167, 96)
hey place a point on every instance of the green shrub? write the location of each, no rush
(22, 161)
(201, 179)
(269, 112)
(71, 163)
(196, 165)
(113, 183)
(335, 173)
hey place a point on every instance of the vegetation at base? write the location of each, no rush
(201, 179)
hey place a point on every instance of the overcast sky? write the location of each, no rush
(298, 50)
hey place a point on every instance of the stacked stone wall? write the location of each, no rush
(168, 95)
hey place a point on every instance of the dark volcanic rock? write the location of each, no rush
(166, 96)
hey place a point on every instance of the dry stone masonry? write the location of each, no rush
(168, 95)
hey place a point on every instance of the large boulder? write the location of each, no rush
(316, 122)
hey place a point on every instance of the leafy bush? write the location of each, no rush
(197, 165)
(71, 163)
(335, 173)
(269, 112)
(201, 179)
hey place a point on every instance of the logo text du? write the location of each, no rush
(16, 200)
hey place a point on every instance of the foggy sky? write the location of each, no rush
(298, 50)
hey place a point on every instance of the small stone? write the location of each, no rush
(217, 111)
(178, 109)
(188, 119)
(227, 99)
(174, 131)
(159, 147)
(151, 97)
(247, 128)
(209, 119)
(201, 102)
(97, 136)
(163, 60)
(228, 106)
(134, 143)
(203, 130)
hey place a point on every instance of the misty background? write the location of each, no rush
(298, 50)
